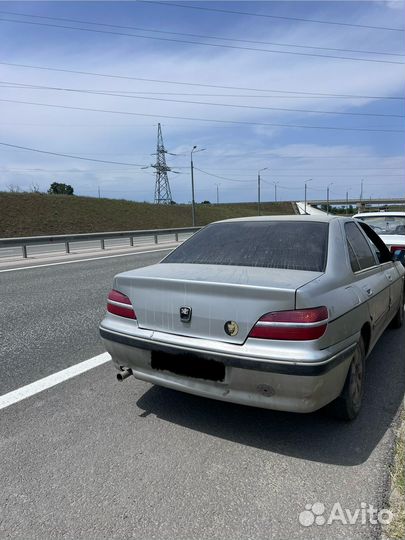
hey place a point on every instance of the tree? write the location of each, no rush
(60, 189)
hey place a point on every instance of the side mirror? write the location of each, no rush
(399, 255)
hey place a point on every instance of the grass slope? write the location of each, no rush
(32, 214)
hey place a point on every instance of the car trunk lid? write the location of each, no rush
(215, 294)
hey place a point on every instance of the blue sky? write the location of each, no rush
(240, 124)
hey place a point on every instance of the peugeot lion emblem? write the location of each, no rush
(185, 314)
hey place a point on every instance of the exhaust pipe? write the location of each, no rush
(125, 373)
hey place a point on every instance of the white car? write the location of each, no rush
(390, 226)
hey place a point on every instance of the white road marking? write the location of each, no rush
(52, 380)
(89, 259)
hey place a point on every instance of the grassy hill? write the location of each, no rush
(32, 214)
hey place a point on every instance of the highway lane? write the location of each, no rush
(49, 315)
(93, 458)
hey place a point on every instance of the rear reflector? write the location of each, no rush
(296, 325)
(119, 304)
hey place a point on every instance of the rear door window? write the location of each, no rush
(360, 253)
(383, 254)
(296, 245)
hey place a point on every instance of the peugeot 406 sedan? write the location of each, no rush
(274, 312)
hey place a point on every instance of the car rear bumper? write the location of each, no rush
(297, 386)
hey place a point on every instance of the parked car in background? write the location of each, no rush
(275, 312)
(390, 226)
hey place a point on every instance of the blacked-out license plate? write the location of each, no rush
(188, 365)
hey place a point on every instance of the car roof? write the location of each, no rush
(379, 214)
(314, 218)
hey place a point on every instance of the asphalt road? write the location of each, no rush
(50, 315)
(93, 458)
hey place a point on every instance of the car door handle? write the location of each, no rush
(389, 277)
(369, 291)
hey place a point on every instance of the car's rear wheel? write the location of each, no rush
(398, 320)
(348, 404)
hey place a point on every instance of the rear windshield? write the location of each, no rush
(294, 245)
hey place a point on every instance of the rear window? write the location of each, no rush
(289, 245)
(361, 255)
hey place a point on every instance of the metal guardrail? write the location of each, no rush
(68, 238)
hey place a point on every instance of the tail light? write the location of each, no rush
(120, 305)
(396, 248)
(296, 325)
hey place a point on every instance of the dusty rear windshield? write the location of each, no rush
(293, 245)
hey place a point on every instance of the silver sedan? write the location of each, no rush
(274, 312)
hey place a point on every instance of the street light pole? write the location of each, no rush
(192, 187)
(305, 191)
(275, 191)
(327, 197)
(361, 190)
(347, 202)
(217, 192)
(192, 182)
(258, 189)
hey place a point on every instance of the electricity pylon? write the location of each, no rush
(163, 194)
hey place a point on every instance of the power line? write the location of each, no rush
(269, 155)
(67, 155)
(192, 102)
(271, 169)
(183, 83)
(204, 36)
(194, 94)
(66, 171)
(263, 15)
(272, 154)
(188, 42)
(70, 125)
(379, 185)
(126, 191)
(287, 176)
(223, 177)
(109, 171)
(305, 176)
(329, 175)
(208, 120)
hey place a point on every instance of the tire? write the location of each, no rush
(398, 320)
(347, 405)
